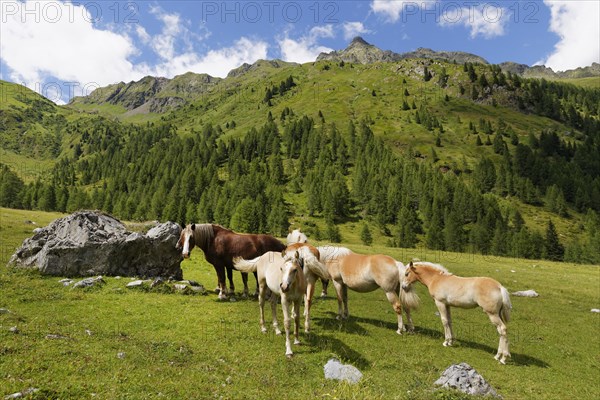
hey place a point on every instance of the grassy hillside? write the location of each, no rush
(179, 346)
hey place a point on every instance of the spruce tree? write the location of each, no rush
(554, 250)
(365, 235)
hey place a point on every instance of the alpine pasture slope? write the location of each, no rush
(118, 343)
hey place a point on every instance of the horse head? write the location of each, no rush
(410, 276)
(186, 240)
(291, 270)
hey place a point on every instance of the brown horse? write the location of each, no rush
(221, 245)
(365, 273)
(450, 290)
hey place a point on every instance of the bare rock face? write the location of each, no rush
(91, 243)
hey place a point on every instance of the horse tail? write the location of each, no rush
(506, 305)
(409, 298)
(316, 266)
(245, 265)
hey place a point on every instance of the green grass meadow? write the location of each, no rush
(177, 346)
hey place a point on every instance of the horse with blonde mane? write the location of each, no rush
(297, 236)
(284, 275)
(365, 273)
(313, 270)
(449, 290)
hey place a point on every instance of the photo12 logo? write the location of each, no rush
(59, 11)
(254, 12)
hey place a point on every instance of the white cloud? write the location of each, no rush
(576, 23)
(392, 9)
(216, 62)
(71, 54)
(487, 20)
(68, 48)
(305, 49)
(352, 29)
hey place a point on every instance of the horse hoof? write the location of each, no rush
(278, 333)
(323, 295)
(297, 342)
(232, 299)
(289, 356)
(263, 330)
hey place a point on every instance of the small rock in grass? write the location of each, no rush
(464, 378)
(135, 283)
(595, 310)
(526, 293)
(53, 336)
(89, 282)
(66, 281)
(180, 287)
(20, 395)
(13, 329)
(121, 355)
(341, 372)
(4, 311)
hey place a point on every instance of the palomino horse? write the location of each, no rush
(450, 290)
(313, 270)
(365, 273)
(284, 276)
(220, 246)
(297, 236)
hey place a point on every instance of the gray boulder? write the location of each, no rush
(341, 372)
(91, 243)
(526, 293)
(464, 378)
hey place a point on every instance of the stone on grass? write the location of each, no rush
(20, 395)
(66, 281)
(136, 283)
(89, 282)
(89, 243)
(13, 329)
(4, 311)
(526, 293)
(595, 310)
(464, 378)
(341, 372)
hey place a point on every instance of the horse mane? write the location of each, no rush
(329, 252)
(203, 235)
(438, 267)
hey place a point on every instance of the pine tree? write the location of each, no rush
(365, 235)
(554, 250)
(333, 233)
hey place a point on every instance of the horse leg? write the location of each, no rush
(261, 304)
(444, 310)
(274, 312)
(325, 283)
(503, 352)
(338, 291)
(296, 315)
(245, 281)
(256, 278)
(230, 278)
(345, 299)
(221, 282)
(310, 290)
(409, 322)
(286, 324)
(397, 306)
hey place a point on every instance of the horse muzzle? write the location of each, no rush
(185, 255)
(406, 288)
(284, 287)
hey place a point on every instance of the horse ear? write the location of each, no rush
(193, 227)
(411, 266)
(283, 253)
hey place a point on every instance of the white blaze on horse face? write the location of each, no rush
(287, 275)
(186, 245)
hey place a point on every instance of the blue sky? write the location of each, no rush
(61, 48)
